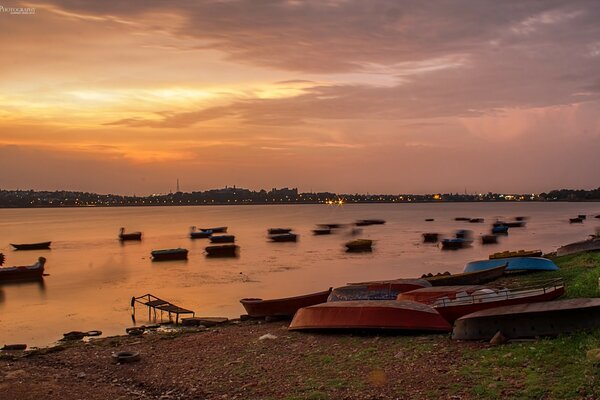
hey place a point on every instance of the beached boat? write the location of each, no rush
(430, 237)
(489, 239)
(499, 229)
(322, 231)
(169, 254)
(483, 299)
(591, 244)
(401, 284)
(576, 220)
(517, 253)
(370, 315)
(217, 229)
(549, 318)
(376, 290)
(284, 307)
(129, 236)
(467, 278)
(359, 245)
(278, 231)
(455, 243)
(28, 272)
(31, 246)
(284, 237)
(430, 294)
(224, 250)
(222, 239)
(195, 234)
(367, 222)
(514, 264)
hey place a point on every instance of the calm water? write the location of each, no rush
(92, 276)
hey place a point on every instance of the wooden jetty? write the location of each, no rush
(154, 303)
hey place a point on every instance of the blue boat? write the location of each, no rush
(500, 229)
(514, 264)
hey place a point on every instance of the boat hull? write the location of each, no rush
(218, 229)
(468, 278)
(514, 264)
(171, 254)
(579, 247)
(370, 315)
(382, 290)
(130, 236)
(530, 320)
(31, 246)
(222, 239)
(284, 237)
(427, 295)
(226, 250)
(284, 307)
(24, 273)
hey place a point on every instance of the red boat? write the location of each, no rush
(425, 295)
(284, 307)
(29, 272)
(370, 315)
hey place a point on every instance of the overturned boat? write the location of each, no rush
(467, 278)
(283, 307)
(514, 264)
(383, 290)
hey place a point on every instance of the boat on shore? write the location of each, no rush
(223, 250)
(367, 222)
(222, 239)
(278, 231)
(430, 294)
(284, 237)
(217, 229)
(517, 253)
(359, 245)
(376, 290)
(31, 246)
(378, 315)
(467, 278)
(129, 236)
(591, 244)
(514, 264)
(548, 318)
(20, 273)
(283, 307)
(196, 234)
(169, 254)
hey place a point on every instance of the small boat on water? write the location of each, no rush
(331, 226)
(278, 231)
(476, 220)
(129, 236)
(169, 254)
(28, 272)
(591, 244)
(284, 237)
(218, 229)
(430, 237)
(548, 318)
(387, 315)
(489, 239)
(367, 222)
(429, 220)
(195, 234)
(284, 307)
(576, 220)
(31, 246)
(322, 231)
(518, 253)
(385, 290)
(359, 245)
(463, 234)
(514, 264)
(467, 278)
(499, 229)
(483, 299)
(455, 243)
(462, 219)
(511, 224)
(222, 239)
(224, 250)
(582, 216)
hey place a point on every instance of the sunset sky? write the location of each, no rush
(346, 96)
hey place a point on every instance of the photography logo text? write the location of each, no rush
(17, 10)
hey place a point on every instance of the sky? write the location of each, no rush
(328, 95)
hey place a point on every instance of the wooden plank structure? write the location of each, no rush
(154, 303)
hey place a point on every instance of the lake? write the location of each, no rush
(92, 276)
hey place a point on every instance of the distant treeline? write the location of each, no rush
(571, 195)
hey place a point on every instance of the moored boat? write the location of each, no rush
(169, 254)
(511, 224)
(283, 307)
(195, 234)
(284, 237)
(582, 216)
(514, 264)
(549, 318)
(359, 245)
(468, 278)
(517, 253)
(489, 239)
(217, 229)
(31, 246)
(430, 237)
(28, 272)
(278, 231)
(223, 250)
(370, 315)
(322, 231)
(499, 229)
(476, 220)
(367, 222)
(455, 243)
(576, 220)
(129, 236)
(222, 239)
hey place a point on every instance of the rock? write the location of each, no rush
(81, 375)
(593, 355)
(498, 338)
(267, 336)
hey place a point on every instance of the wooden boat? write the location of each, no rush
(278, 231)
(195, 234)
(429, 220)
(430, 294)
(222, 239)
(476, 220)
(359, 245)
(284, 307)
(489, 239)
(468, 278)
(332, 226)
(455, 243)
(322, 231)
(218, 229)
(549, 318)
(463, 234)
(452, 309)
(224, 250)
(576, 220)
(385, 290)
(430, 237)
(169, 254)
(518, 253)
(582, 216)
(591, 244)
(514, 264)
(511, 224)
(31, 246)
(499, 229)
(370, 315)
(367, 222)
(462, 219)
(129, 236)
(28, 272)
(284, 237)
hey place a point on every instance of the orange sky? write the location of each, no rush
(347, 96)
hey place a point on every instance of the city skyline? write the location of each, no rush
(341, 96)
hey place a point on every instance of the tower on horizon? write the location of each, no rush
(177, 186)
